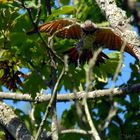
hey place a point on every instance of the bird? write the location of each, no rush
(89, 37)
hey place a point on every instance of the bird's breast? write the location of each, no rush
(88, 41)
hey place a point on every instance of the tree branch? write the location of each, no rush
(48, 108)
(92, 61)
(48, 7)
(49, 50)
(76, 131)
(120, 64)
(112, 112)
(12, 124)
(72, 96)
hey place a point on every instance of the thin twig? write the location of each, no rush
(54, 125)
(121, 126)
(119, 64)
(53, 56)
(82, 120)
(38, 12)
(89, 70)
(50, 104)
(91, 124)
(76, 131)
(50, 51)
(112, 112)
(48, 7)
(92, 61)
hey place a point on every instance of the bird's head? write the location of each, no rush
(88, 27)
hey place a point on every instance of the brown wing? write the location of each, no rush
(113, 41)
(62, 28)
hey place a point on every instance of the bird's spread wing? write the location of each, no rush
(61, 28)
(112, 41)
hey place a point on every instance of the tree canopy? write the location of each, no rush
(34, 69)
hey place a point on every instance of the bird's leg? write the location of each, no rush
(78, 47)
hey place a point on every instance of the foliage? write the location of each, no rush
(25, 66)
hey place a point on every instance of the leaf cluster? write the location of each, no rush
(25, 66)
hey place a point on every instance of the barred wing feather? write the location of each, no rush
(112, 41)
(61, 28)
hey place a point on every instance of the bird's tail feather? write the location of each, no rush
(84, 56)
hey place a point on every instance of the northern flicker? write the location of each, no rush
(88, 36)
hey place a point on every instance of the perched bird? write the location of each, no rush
(89, 37)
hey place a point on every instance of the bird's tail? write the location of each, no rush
(76, 57)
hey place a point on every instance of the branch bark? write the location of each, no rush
(76, 131)
(12, 124)
(131, 89)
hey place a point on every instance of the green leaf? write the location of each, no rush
(2, 135)
(1, 72)
(67, 10)
(31, 4)
(34, 84)
(100, 75)
(17, 38)
(64, 10)
(69, 117)
(65, 2)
